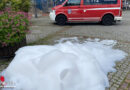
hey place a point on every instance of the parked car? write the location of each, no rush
(105, 11)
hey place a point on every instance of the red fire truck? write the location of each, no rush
(105, 11)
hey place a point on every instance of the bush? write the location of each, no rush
(2, 4)
(17, 5)
(13, 27)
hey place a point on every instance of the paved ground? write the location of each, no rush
(43, 31)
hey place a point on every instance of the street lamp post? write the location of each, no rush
(35, 8)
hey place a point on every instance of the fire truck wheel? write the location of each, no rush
(61, 19)
(108, 20)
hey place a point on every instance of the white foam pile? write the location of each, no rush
(64, 66)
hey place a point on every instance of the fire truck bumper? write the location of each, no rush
(52, 15)
(118, 18)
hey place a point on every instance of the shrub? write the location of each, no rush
(17, 5)
(13, 27)
(2, 4)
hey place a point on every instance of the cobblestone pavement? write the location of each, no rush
(4, 63)
(126, 84)
(119, 80)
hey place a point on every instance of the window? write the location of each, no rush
(59, 2)
(90, 2)
(109, 1)
(93, 2)
(73, 2)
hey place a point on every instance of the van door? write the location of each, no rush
(73, 10)
(91, 10)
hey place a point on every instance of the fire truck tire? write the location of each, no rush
(108, 20)
(61, 19)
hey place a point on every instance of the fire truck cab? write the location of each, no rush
(104, 11)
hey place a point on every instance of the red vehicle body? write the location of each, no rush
(105, 11)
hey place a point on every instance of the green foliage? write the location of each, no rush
(3, 4)
(13, 27)
(17, 5)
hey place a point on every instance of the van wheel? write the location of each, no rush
(108, 20)
(61, 19)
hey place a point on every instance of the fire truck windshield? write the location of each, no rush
(59, 2)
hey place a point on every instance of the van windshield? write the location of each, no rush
(59, 2)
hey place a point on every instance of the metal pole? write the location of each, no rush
(35, 8)
(47, 2)
(125, 4)
(42, 2)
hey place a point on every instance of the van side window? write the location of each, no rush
(109, 1)
(93, 2)
(73, 2)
